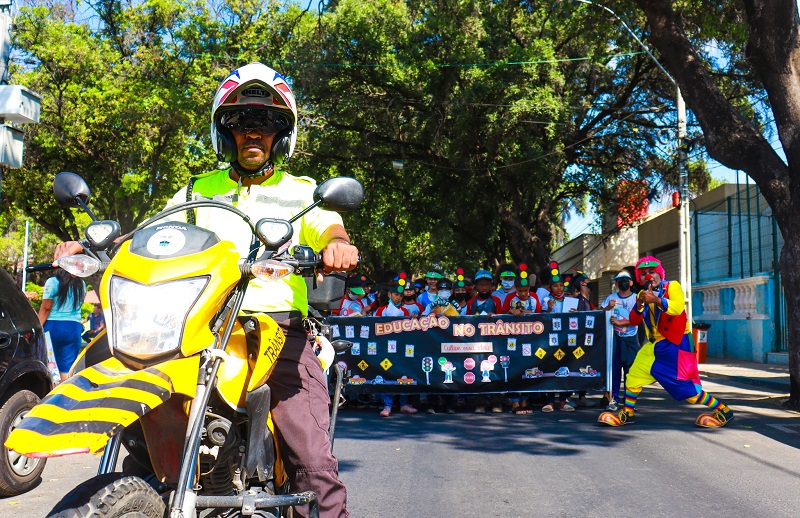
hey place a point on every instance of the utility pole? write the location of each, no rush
(684, 218)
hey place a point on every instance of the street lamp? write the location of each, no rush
(684, 241)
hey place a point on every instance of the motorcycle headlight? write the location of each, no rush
(148, 320)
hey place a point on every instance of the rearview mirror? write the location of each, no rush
(340, 194)
(68, 188)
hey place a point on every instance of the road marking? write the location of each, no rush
(786, 428)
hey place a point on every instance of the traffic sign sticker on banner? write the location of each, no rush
(372, 348)
(391, 346)
(356, 349)
(572, 340)
(469, 363)
(469, 378)
(526, 349)
(541, 353)
(556, 324)
(589, 322)
(577, 353)
(409, 351)
(386, 364)
(512, 344)
(589, 339)
(363, 365)
(554, 339)
(560, 355)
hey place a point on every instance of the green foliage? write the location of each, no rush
(36, 301)
(506, 115)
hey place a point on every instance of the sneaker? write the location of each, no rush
(497, 409)
(408, 409)
(716, 420)
(480, 409)
(430, 410)
(566, 407)
(615, 418)
(612, 406)
(386, 412)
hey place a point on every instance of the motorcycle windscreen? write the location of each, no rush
(81, 413)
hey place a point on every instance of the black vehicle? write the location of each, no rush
(24, 379)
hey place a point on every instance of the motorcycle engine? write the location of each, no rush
(221, 453)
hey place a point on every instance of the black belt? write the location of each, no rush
(294, 318)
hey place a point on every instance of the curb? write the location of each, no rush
(770, 383)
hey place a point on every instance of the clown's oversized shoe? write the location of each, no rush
(716, 420)
(615, 418)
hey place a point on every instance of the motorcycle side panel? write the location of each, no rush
(250, 358)
(81, 413)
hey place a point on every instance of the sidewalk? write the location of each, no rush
(775, 377)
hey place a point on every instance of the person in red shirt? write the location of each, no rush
(484, 303)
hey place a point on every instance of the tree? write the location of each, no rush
(733, 132)
(502, 113)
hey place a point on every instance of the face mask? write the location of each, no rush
(507, 284)
(444, 294)
(461, 297)
(624, 285)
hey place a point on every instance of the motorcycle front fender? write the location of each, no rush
(83, 412)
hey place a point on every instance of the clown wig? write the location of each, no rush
(649, 261)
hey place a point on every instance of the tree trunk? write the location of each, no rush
(774, 52)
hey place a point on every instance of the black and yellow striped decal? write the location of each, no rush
(80, 414)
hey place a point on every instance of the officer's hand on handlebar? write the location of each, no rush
(66, 248)
(339, 256)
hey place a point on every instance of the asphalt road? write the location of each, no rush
(550, 465)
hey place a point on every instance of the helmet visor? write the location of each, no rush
(255, 119)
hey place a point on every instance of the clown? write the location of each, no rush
(668, 356)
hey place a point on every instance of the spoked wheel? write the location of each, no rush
(113, 495)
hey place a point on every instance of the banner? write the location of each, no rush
(476, 354)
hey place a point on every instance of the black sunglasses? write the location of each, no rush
(255, 119)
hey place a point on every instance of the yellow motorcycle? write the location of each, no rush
(180, 378)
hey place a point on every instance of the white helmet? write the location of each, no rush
(254, 96)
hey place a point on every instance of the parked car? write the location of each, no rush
(24, 379)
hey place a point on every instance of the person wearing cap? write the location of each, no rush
(484, 303)
(626, 343)
(430, 293)
(523, 302)
(394, 308)
(410, 303)
(668, 357)
(580, 289)
(505, 277)
(461, 296)
(442, 305)
(353, 304)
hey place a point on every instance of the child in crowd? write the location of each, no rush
(442, 304)
(353, 304)
(395, 308)
(410, 303)
(522, 303)
(484, 303)
(554, 304)
(582, 291)
(506, 276)
(626, 343)
(429, 295)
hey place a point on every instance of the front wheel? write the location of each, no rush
(113, 495)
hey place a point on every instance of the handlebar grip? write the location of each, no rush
(40, 267)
